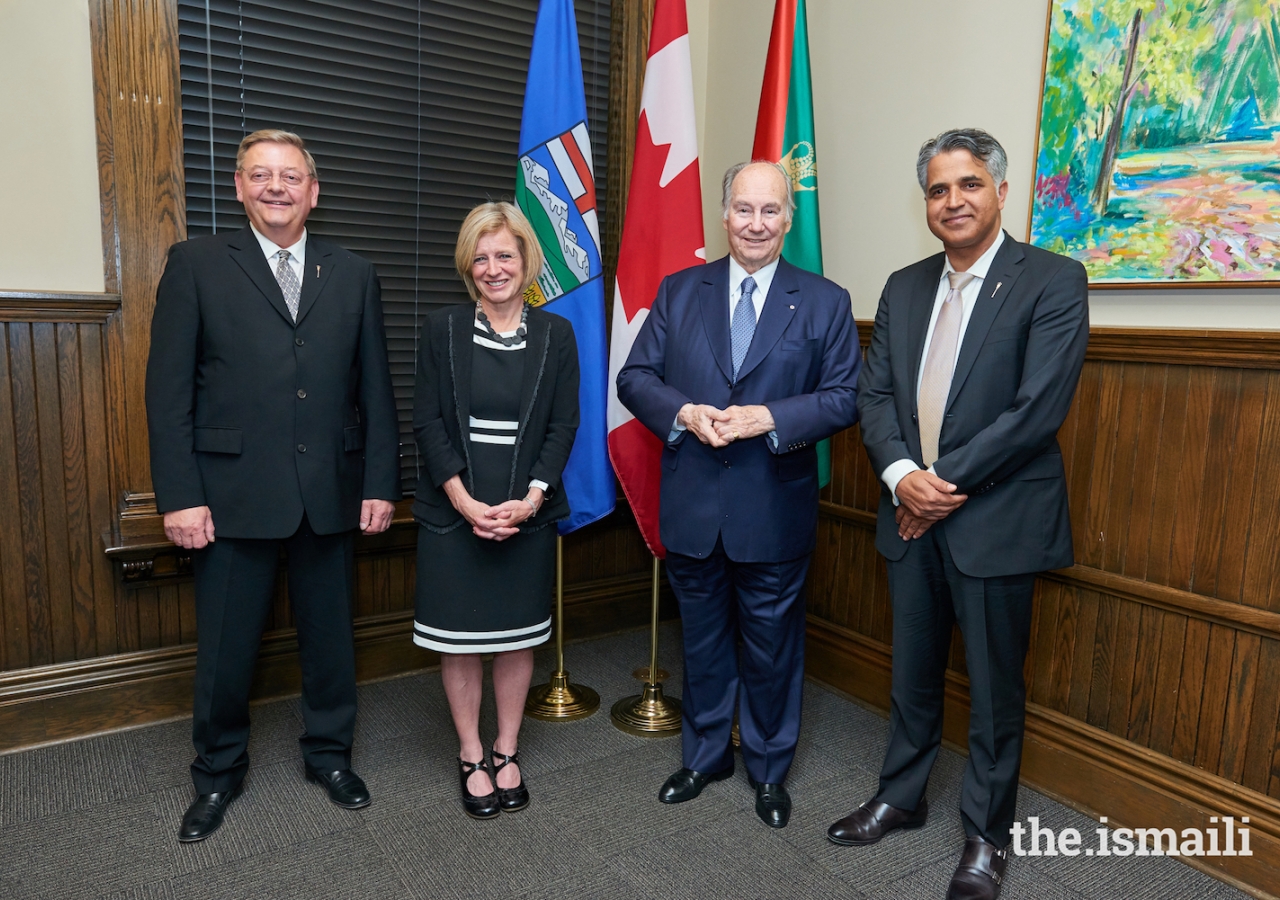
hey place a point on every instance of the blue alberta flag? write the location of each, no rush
(555, 188)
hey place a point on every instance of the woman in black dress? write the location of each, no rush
(495, 413)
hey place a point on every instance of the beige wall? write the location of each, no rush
(50, 228)
(886, 77)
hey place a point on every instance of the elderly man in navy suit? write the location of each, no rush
(742, 367)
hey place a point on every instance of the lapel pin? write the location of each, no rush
(318, 272)
(993, 293)
(793, 306)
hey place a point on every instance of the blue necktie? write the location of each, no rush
(743, 325)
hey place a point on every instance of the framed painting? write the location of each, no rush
(1158, 149)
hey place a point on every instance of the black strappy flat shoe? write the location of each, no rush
(485, 806)
(509, 799)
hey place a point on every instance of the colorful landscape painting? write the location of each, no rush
(1158, 159)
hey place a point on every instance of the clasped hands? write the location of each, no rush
(720, 427)
(493, 523)
(192, 528)
(923, 499)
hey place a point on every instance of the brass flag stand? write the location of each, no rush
(558, 700)
(650, 714)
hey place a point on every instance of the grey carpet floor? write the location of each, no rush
(96, 818)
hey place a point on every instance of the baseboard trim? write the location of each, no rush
(1077, 764)
(68, 701)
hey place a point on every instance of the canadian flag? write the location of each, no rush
(662, 234)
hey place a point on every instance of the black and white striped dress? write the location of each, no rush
(476, 595)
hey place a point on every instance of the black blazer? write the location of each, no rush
(1012, 388)
(260, 418)
(442, 409)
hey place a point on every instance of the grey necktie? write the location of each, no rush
(744, 324)
(289, 284)
(935, 383)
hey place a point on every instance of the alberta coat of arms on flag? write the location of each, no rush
(556, 190)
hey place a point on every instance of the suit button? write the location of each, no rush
(302, 448)
(302, 395)
(727, 465)
(299, 341)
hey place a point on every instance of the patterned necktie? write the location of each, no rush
(289, 284)
(743, 325)
(935, 383)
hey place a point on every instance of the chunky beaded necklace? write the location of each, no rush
(511, 340)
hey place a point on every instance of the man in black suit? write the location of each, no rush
(973, 363)
(271, 417)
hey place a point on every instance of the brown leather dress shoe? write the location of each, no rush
(873, 820)
(980, 873)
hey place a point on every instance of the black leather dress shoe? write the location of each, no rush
(873, 820)
(980, 873)
(510, 799)
(204, 815)
(773, 804)
(687, 784)
(344, 786)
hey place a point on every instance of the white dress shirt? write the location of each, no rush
(297, 253)
(895, 471)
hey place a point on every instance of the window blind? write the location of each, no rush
(412, 111)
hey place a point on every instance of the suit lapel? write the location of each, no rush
(1002, 275)
(918, 315)
(461, 327)
(714, 300)
(537, 340)
(247, 253)
(779, 309)
(315, 273)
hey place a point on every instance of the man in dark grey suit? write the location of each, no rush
(271, 415)
(973, 364)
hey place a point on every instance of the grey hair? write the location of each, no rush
(982, 146)
(737, 168)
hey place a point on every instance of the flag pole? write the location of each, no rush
(558, 700)
(650, 714)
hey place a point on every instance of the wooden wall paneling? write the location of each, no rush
(1186, 726)
(1103, 435)
(1104, 654)
(99, 505)
(1078, 452)
(1265, 723)
(1192, 476)
(1118, 480)
(53, 496)
(1146, 478)
(1143, 685)
(1082, 656)
(1242, 452)
(82, 542)
(1260, 587)
(1164, 704)
(14, 625)
(144, 136)
(1222, 425)
(27, 434)
(1213, 702)
(1169, 460)
(1241, 688)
